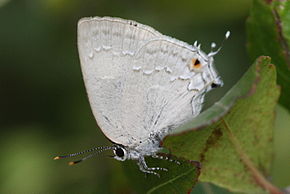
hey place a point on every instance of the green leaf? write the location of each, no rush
(180, 178)
(235, 151)
(208, 188)
(268, 29)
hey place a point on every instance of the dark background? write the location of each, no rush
(44, 110)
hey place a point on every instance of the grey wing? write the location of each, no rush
(105, 42)
(165, 92)
(131, 76)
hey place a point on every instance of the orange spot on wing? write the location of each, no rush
(197, 66)
(195, 63)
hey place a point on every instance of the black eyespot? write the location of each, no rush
(197, 62)
(119, 152)
(214, 85)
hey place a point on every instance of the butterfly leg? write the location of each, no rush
(163, 157)
(144, 168)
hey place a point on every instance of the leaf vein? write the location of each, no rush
(170, 181)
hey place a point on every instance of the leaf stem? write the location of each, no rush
(259, 178)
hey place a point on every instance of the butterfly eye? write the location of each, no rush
(119, 152)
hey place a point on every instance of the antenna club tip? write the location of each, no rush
(71, 163)
(56, 158)
(228, 33)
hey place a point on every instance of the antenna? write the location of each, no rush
(213, 45)
(85, 158)
(97, 150)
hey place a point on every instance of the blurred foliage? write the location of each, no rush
(3, 2)
(280, 171)
(268, 30)
(44, 108)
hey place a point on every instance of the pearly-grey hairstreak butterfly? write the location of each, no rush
(141, 85)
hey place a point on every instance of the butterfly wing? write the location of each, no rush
(138, 81)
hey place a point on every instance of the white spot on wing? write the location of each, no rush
(159, 68)
(185, 77)
(136, 68)
(128, 53)
(148, 72)
(106, 47)
(91, 55)
(98, 49)
(168, 70)
(173, 79)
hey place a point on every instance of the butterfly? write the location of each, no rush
(141, 85)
